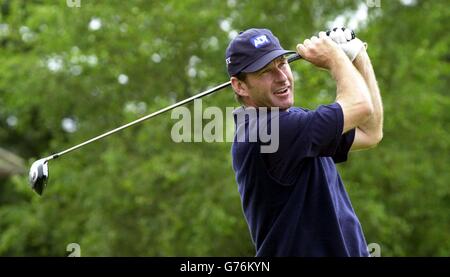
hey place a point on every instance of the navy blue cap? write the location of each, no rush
(251, 50)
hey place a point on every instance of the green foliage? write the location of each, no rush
(138, 193)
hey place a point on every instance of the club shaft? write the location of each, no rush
(168, 108)
(139, 120)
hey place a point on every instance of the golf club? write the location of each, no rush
(38, 176)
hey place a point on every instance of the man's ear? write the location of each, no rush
(240, 87)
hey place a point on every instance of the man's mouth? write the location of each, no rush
(282, 91)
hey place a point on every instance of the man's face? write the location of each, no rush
(272, 86)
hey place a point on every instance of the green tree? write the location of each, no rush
(138, 193)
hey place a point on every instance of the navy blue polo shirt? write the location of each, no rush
(293, 199)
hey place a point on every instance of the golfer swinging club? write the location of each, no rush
(293, 199)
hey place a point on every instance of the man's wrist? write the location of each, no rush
(361, 58)
(338, 64)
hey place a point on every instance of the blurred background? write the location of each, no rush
(71, 70)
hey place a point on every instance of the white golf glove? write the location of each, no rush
(351, 47)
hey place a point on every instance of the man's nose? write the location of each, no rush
(281, 76)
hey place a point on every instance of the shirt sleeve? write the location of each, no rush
(314, 133)
(309, 134)
(344, 146)
(345, 140)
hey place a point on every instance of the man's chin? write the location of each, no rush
(283, 108)
(284, 105)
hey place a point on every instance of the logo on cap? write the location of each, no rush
(228, 60)
(260, 41)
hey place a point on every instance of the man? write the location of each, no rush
(293, 199)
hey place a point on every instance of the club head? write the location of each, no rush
(39, 175)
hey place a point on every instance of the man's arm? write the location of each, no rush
(369, 133)
(352, 92)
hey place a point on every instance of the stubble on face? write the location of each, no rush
(272, 86)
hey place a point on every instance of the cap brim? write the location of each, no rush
(265, 60)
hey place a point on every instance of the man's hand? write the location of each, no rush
(321, 51)
(351, 47)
